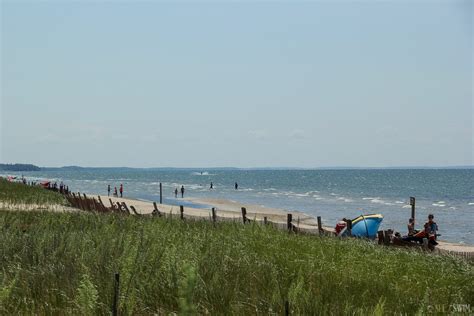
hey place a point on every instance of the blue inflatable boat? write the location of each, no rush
(366, 226)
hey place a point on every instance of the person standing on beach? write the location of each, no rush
(108, 190)
(115, 192)
(121, 190)
(176, 193)
(182, 191)
(236, 186)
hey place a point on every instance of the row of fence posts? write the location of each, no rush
(86, 203)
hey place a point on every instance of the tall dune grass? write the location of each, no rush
(12, 193)
(58, 264)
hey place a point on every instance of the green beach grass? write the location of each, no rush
(12, 193)
(64, 263)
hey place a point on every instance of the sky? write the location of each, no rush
(237, 84)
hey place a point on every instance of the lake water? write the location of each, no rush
(332, 194)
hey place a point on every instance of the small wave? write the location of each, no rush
(399, 202)
(406, 206)
(301, 194)
(368, 198)
(269, 189)
(377, 201)
(205, 173)
(470, 203)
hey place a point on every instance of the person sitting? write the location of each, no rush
(411, 227)
(340, 226)
(429, 231)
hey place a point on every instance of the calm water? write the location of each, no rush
(332, 194)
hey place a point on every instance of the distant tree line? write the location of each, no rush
(19, 167)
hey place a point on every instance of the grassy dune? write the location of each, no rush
(18, 193)
(64, 264)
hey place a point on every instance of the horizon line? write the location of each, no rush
(262, 168)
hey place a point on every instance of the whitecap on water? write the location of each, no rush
(377, 201)
(205, 173)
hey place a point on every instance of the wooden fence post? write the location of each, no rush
(244, 214)
(116, 294)
(412, 203)
(87, 202)
(387, 235)
(102, 206)
(380, 237)
(82, 203)
(74, 198)
(125, 207)
(287, 308)
(134, 210)
(349, 227)
(161, 193)
(112, 204)
(320, 226)
(156, 211)
(181, 210)
(265, 220)
(95, 205)
(214, 217)
(289, 224)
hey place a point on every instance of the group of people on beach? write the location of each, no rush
(211, 187)
(115, 194)
(61, 188)
(181, 190)
(430, 231)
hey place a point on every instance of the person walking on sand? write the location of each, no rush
(236, 186)
(176, 193)
(182, 191)
(121, 190)
(108, 190)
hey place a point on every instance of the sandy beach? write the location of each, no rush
(225, 209)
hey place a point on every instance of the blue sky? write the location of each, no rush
(244, 84)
